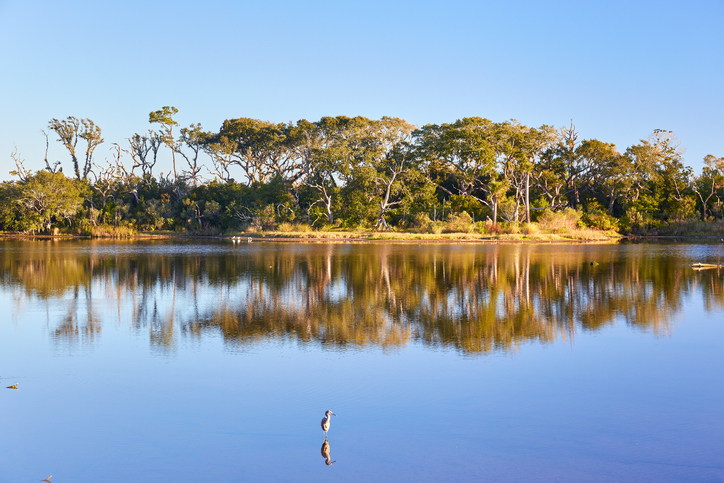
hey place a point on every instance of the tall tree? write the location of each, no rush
(518, 150)
(463, 152)
(658, 173)
(164, 117)
(611, 172)
(91, 134)
(710, 182)
(324, 157)
(142, 146)
(381, 151)
(259, 148)
(194, 138)
(566, 163)
(69, 131)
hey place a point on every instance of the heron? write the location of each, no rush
(325, 422)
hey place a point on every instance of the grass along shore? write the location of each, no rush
(564, 226)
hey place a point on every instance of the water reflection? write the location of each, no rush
(325, 453)
(475, 299)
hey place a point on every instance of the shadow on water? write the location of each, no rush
(474, 299)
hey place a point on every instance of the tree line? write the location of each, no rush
(353, 172)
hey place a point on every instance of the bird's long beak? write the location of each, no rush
(333, 414)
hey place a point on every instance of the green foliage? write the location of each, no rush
(596, 217)
(48, 199)
(638, 223)
(471, 206)
(361, 173)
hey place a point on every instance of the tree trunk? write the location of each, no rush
(328, 206)
(612, 200)
(527, 197)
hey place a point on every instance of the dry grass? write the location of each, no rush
(111, 231)
(528, 233)
(566, 221)
(530, 229)
(286, 227)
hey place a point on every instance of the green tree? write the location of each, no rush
(164, 117)
(660, 181)
(383, 162)
(257, 147)
(567, 169)
(46, 198)
(460, 159)
(324, 158)
(710, 182)
(610, 177)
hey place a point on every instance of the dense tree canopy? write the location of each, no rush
(356, 172)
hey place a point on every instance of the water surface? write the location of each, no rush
(215, 361)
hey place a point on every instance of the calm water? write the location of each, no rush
(214, 361)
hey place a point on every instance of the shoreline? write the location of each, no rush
(368, 237)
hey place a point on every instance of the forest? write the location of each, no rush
(355, 173)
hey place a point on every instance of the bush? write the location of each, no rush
(639, 223)
(595, 217)
(487, 227)
(462, 223)
(561, 221)
(530, 229)
(511, 228)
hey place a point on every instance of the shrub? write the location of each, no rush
(420, 222)
(530, 229)
(487, 227)
(597, 218)
(512, 228)
(639, 223)
(561, 221)
(462, 223)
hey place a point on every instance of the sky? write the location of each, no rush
(617, 70)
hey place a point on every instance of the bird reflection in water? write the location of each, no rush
(325, 454)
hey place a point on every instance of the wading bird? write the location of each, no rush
(325, 422)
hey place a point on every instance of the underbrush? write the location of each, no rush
(109, 231)
(562, 222)
(692, 227)
(565, 225)
(287, 227)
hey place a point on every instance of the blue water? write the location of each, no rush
(108, 392)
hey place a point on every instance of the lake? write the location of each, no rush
(215, 361)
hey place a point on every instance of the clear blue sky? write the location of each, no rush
(618, 69)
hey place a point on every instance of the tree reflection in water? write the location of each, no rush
(473, 298)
